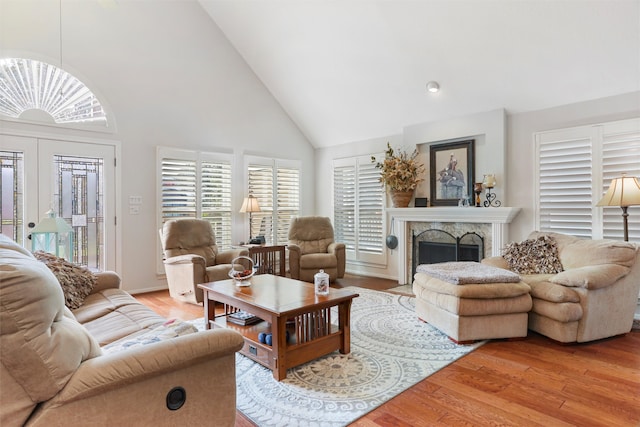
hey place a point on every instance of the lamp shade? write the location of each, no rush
(250, 204)
(623, 191)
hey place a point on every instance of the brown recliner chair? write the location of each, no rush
(192, 257)
(312, 248)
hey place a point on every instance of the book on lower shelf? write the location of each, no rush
(243, 318)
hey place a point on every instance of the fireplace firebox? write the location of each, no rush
(434, 246)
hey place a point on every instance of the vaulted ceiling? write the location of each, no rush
(351, 70)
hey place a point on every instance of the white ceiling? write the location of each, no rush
(350, 70)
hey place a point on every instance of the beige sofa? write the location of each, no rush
(55, 372)
(595, 295)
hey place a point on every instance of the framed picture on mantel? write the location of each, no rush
(451, 172)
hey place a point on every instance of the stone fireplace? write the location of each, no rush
(490, 224)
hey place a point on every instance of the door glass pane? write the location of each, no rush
(11, 194)
(78, 198)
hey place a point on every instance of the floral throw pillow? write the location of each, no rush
(76, 281)
(533, 256)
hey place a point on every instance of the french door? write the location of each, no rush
(74, 179)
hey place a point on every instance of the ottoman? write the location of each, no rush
(470, 301)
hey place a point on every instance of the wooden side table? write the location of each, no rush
(269, 259)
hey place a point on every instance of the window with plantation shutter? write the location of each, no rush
(575, 167)
(620, 154)
(276, 185)
(196, 185)
(358, 201)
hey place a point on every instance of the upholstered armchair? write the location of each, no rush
(582, 289)
(192, 257)
(312, 248)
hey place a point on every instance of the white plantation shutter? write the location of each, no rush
(344, 205)
(288, 199)
(276, 185)
(358, 213)
(574, 169)
(260, 181)
(565, 183)
(215, 198)
(196, 185)
(370, 209)
(178, 188)
(26, 84)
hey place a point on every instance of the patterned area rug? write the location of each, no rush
(391, 350)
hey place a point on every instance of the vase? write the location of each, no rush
(401, 199)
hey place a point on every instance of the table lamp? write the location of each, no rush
(250, 205)
(623, 192)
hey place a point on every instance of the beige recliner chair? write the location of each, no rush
(312, 248)
(192, 257)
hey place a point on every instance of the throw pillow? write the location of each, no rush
(533, 256)
(76, 281)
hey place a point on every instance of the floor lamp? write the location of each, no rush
(623, 192)
(250, 205)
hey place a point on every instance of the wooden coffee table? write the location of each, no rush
(284, 305)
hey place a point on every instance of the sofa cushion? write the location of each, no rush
(479, 291)
(564, 312)
(112, 314)
(477, 306)
(169, 329)
(592, 276)
(318, 261)
(552, 292)
(533, 256)
(41, 342)
(585, 252)
(76, 281)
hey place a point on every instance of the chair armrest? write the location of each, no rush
(294, 261)
(339, 249)
(225, 257)
(591, 276)
(135, 382)
(185, 259)
(106, 280)
(496, 261)
(335, 247)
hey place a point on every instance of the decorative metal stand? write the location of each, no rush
(491, 199)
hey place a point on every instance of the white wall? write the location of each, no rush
(165, 85)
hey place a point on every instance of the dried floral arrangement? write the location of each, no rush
(400, 171)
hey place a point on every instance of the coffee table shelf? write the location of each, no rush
(285, 305)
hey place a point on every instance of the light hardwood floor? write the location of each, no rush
(529, 382)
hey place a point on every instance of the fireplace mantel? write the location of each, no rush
(499, 218)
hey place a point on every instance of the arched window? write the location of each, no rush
(27, 85)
